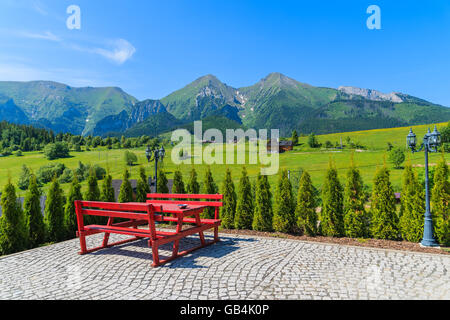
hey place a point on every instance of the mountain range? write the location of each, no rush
(275, 102)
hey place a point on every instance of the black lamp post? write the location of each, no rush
(431, 141)
(156, 154)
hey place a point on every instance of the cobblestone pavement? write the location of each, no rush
(239, 267)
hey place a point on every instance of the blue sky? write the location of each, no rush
(152, 48)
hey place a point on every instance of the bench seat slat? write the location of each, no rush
(115, 214)
(115, 206)
(119, 230)
(200, 203)
(192, 220)
(184, 196)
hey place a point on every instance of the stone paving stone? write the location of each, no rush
(239, 267)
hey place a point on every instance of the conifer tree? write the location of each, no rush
(243, 218)
(93, 191)
(143, 187)
(295, 137)
(193, 187)
(355, 216)
(384, 219)
(13, 231)
(126, 191)
(33, 214)
(54, 212)
(440, 199)
(92, 194)
(283, 213)
(305, 211)
(228, 210)
(263, 214)
(209, 187)
(107, 194)
(332, 215)
(178, 184)
(70, 216)
(24, 178)
(412, 207)
(162, 182)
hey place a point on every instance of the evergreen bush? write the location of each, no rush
(332, 215)
(263, 214)
(355, 216)
(178, 184)
(384, 219)
(305, 211)
(162, 182)
(142, 188)
(126, 191)
(440, 199)
(70, 216)
(283, 213)
(412, 206)
(54, 213)
(243, 218)
(33, 214)
(193, 187)
(108, 194)
(209, 187)
(228, 210)
(13, 226)
(24, 178)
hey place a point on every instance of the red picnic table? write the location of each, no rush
(140, 214)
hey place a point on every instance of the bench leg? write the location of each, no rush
(82, 243)
(155, 253)
(106, 236)
(198, 222)
(216, 234)
(176, 243)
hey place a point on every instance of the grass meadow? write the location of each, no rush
(313, 160)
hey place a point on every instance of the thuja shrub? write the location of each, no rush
(332, 215)
(244, 208)
(355, 216)
(412, 206)
(440, 199)
(263, 214)
(283, 216)
(384, 219)
(305, 211)
(228, 209)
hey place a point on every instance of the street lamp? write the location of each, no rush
(431, 142)
(156, 154)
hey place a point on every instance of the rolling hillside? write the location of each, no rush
(275, 102)
(63, 108)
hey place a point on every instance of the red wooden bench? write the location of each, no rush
(140, 214)
(193, 199)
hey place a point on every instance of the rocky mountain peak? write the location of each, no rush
(370, 94)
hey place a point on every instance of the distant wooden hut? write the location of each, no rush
(283, 146)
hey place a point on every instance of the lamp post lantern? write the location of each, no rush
(156, 154)
(431, 142)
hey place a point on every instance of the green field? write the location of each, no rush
(314, 160)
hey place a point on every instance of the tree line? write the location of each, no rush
(250, 206)
(23, 138)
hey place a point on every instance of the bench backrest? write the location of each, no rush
(156, 198)
(112, 209)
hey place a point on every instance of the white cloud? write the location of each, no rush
(121, 52)
(73, 77)
(38, 7)
(43, 36)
